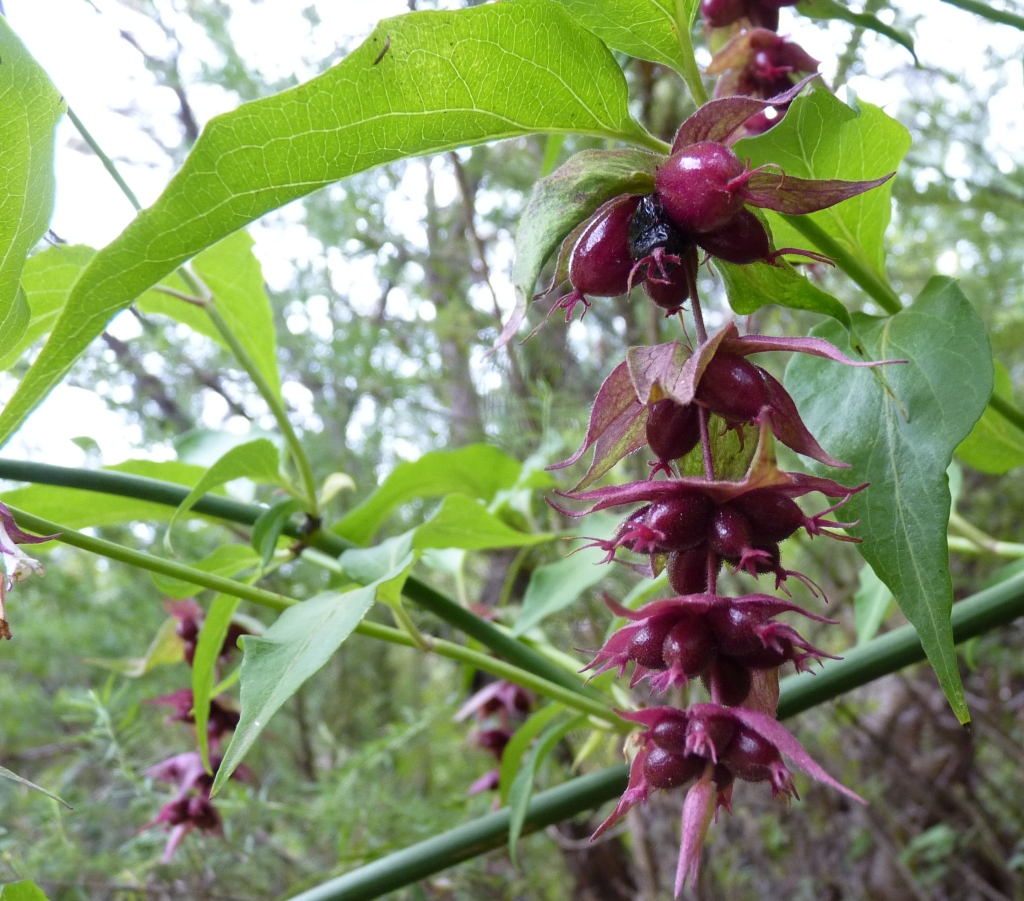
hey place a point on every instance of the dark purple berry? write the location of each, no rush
(751, 757)
(690, 646)
(697, 186)
(730, 533)
(734, 629)
(663, 769)
(743, 239)
(600, 263)
(731, 681)
(710, 736)
(732, 387)
(670, 734)
(761, 657)
(771, 563)
(688, 570)
(645, 646)
(671, 293)
(773, 517)
(673, 429)
(203, 814)
(682, 520)
(187, 629)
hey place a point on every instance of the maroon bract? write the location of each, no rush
(757, 62)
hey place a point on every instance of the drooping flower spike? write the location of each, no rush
(710, 746)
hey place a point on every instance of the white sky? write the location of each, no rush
(106, 83)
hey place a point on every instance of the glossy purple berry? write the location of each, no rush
(601, 262)
(682, 520)
(773, 517)
(688, 570)
(751, 757)
(733, 388)
(646, 645)
(672, 292)
(673, 429)
(690, 646)
(734, 627)
(743, 239)
(670, 734)
(663, 769)
(731, 681)
(698, 187)
(730, 533)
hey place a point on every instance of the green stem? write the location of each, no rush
(273, 400)
(1007, 410)
(108, 163)
(999, 548)
(983, 540)
(264, 598)
(986, 11)
(878, 657)
(874, 286)
(690, 71)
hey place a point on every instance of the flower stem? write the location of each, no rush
(503, 670)
(690, 71)
(108, 163)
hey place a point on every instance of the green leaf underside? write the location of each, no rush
(477, 470)
(79, 509)
(258, 460)
(443, 82)
(754, 285)
(522, 786)
(995, 444)
(14, 319)
(645, 29)
(566, 198)
(903, 446)
(235, 278)
(228, 560)
(30, 107)
(831, 9)
(275, 664)
(512, 756)
(204, 664)
(821, 137)
(871, 604)
(463, 522)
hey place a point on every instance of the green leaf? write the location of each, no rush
(522, 786)
(995, 444)
(30, 107)
(366, 565)
(831, 9)
(235, 278)
(165, 649)
(22, 891)
(555, 586)
(421, 83)
(14, 777)
(561, 202)
(465, 523)
(477, 470)
(204, 664)
(228, 560)
(275, 664)
(258, 460)
(645, 29)
(79, 509)
(46, 279)
(512, 756)
(902, 443)
(267, 529)
(14, 319)
(753, 286)
(821, 137)
(871, 604)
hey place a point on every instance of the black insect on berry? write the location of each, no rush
(733, 388)
(673, 429)
(699, 187)
(651, 230)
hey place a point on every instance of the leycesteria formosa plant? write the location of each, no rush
(669, 398)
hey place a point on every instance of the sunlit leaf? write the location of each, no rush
(463, 522)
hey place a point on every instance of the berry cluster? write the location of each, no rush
(497, 708)
(670, 399)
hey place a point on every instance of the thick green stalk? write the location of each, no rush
(874, 286)
(142, 488)
(690, 72)
(879, 657)
(142, 560)
(987, 11)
